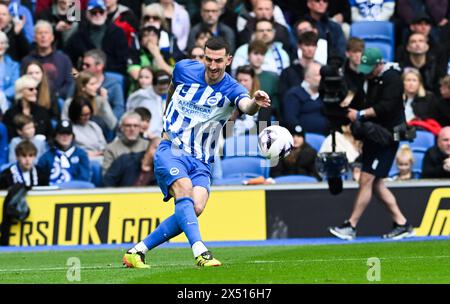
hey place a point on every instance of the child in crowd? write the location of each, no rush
(25, 128)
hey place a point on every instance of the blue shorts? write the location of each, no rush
(172, 163)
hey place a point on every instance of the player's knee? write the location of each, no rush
(198, 209)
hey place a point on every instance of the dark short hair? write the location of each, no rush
(25, 147)
(308, 38)
(150, 28)
(217, 43)
(144, 113)
(246, 69)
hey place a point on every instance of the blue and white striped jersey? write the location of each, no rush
(197, 111)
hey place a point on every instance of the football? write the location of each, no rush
(275, 142)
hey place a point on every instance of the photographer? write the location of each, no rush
(375, 126)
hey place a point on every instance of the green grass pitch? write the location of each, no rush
(400, 262)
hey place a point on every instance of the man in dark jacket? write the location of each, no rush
(96, 33)
(328, 29)
(384, 107)
(436, 163)
(57, 65)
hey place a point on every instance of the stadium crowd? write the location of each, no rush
(83, 83)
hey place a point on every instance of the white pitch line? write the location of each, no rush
(249, 262)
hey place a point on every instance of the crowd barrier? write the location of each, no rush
(126, 215)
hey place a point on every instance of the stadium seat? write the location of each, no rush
(243, 145)
(245, 167)
(423, 141)
(296, 178)
(96, 170)
(315, 140)
(418, 160)
(372, 32)
(76, 184)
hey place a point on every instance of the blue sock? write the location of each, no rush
(187, 219)
(164, 232)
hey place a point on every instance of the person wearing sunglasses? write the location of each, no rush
(26, 102)
(98, 33)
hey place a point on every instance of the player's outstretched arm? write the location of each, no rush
(251, 106)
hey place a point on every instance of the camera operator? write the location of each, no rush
(375, 126)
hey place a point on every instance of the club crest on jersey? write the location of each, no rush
(214, 100)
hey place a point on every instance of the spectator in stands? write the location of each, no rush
(88, 134)
(65, 162)
(87, 85)
(197, 53)
(161, 81)
(58, 16)
(302, 26)
(210, 12)
(123, 17)
(178, 20)
(24, 125)
(404, 161)
(268, 81)
(366, 10)
(301, 160)
(293, 75)
(420, 24)
(154, 15)
(9, 69)
(328, 29)
(149, 54)
(146, 118)
(264, 9)
(57, 65)
(418, 101)
(436, 163)
(23, 171)
(94, 61)
(354, 79)
(46, 97)
(146, 97)
(243, 123)
(276, 58)
(442, 106)
(26, 102)
(22, 14)
(407, 10)
(96, 33)
(128, 140)
(19, 46)
(303, 106)
(419, 57)
(132, 169)
(202, 36)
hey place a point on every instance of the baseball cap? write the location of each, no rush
(421, 16)
(64, 127)
(96, 4)
(296, 130)
(369, 59)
